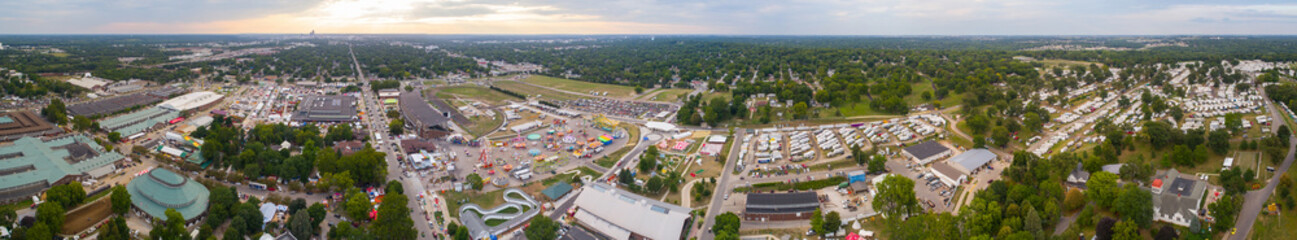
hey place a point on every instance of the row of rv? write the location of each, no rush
(770, 141)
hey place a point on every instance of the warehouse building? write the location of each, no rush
(926, 152)
(161, 189)
(385, 94)
(106, 106)
(960, 168)
(15, 125)
(780, 206)
(325, 108)
(32, 165)
(192, 101)
(139, 121)
(620, 215)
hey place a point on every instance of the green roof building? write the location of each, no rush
(32, 165)
(159, 189)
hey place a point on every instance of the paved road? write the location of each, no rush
(1255, 200)
(413, 187)
(724, 184)
(634, 153)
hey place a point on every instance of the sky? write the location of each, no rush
(720, 17)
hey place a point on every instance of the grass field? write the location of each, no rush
(532, 91)
(1065, 63)
(486, 200)
(614, 91)
(713, 95)
(667, 95)
(485, 95)
(484, 124)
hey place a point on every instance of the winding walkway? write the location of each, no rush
(477, 223)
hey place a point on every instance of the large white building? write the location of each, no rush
(191, 101)
(1176, 200)
(621, 215)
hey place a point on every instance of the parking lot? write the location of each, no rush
(933, 195)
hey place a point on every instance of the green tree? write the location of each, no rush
(300, 224)
(817, 222)
(115, 229)
(896, 198)
(832, 222)
(318, 213)
(878, 164)
(393, 220)
(8, 216)
(394, 186)
(50, 215)
(121, 200)
(800, 111)
(727, 222)
(172, 228)
(648, 162)
(358, 205)
(1000, 135)
(396, 127)
(82, 123)
(1031, 221)
(654, 184)
(474, 181)
(1225, 211)
(1074, 200)
(114, 137)
(542, 228)
(1126, 230)
(1102, 188)
(55, 112)
(1135, 205)
(251, 212)
(221, 204)
(66, 195)
(40, 231)
(1219, 141)
(462, 233)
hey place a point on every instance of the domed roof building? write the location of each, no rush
(159, 189)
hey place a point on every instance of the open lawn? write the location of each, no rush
(484, 124)
(614, 91)
(857, 109)
(532, 91)
(486, 200)
(1065, 63)
(713, 95)
(669, 95)
(482, 94)
(666, 94)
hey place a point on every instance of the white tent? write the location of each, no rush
(661, 126)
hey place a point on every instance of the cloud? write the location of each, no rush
(780, 17)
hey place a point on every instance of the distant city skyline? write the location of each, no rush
(725, 17)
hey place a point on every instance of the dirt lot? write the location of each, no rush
(87, 215)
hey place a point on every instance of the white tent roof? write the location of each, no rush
(661, 126)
